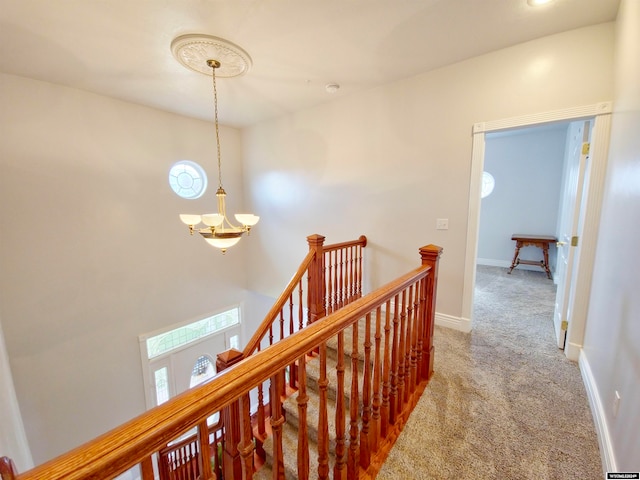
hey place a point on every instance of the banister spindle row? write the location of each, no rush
(389, 355)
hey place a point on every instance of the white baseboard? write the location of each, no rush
(507, 263)
(572, 351)
(599, 417)
(491, 262)
(455, 323)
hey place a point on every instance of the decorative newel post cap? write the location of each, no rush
(430, 252)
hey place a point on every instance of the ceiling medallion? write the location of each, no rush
(194, 50)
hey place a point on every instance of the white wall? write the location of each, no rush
(612, 338)
(93, 253)
(13, 438)
(390, 161)
(527, 165)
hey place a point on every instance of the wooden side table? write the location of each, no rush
(540, 241)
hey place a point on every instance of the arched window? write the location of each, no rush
(203, 370)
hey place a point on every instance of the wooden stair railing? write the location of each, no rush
(402, 364)
(331, 277)
(181, 460)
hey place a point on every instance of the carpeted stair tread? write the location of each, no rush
(290, 449)
(313, 408)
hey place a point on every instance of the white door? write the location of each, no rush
(173, 372)
(569, 222)
(186, 359)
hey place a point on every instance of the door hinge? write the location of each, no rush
(574, 241)
(585, 148)
(564, 325)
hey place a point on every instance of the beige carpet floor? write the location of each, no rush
(504, 401)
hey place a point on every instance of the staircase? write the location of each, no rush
(333, 424)
(291, 411)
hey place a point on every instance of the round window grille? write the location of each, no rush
(488, 182)
(187, 179)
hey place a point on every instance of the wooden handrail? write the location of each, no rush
(285, 297)
(262, 330)
(133, 442)
(362, 241)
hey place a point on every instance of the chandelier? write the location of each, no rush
(206, 54)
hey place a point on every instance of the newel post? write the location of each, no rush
(8, 469)
(430, 255)
(231, 459)
(315, 295)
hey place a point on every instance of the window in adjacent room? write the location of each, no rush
(488, 183)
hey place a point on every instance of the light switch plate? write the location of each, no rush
(442, 224)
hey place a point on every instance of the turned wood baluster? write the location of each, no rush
(407, 347)
(205, 453)
(339, 469)
(246, 446)
(365, 448)
(8, 470)
(351, 282)
(342, 279)
(360, 266)
(393, 394)
(386, 367)
(283, 385)
(194, 460)
(430, 255)
(231, 461)
(303, 440)
(300, 307)
(419, 330)
(377, 367)
(281, 323)
(184, 465)
(277, 419)
(146, 468)
(329, 280)
(261, 412)
(401, 351)
(323, 421)
(352, 463)
(415, 331)
(336, 280)
(293, 371)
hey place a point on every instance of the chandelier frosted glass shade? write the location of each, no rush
(219, 231)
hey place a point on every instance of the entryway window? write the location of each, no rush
(183, 356)
(178, 337)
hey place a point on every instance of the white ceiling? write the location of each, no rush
(121, 48)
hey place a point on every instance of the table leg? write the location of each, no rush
(545, 253)
(515, 256)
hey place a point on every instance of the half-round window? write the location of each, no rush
(488, 182)
(203, 370)
(188, 179)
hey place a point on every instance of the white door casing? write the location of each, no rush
(601, 113)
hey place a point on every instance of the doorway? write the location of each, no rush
(538, 180)
(595, 175)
